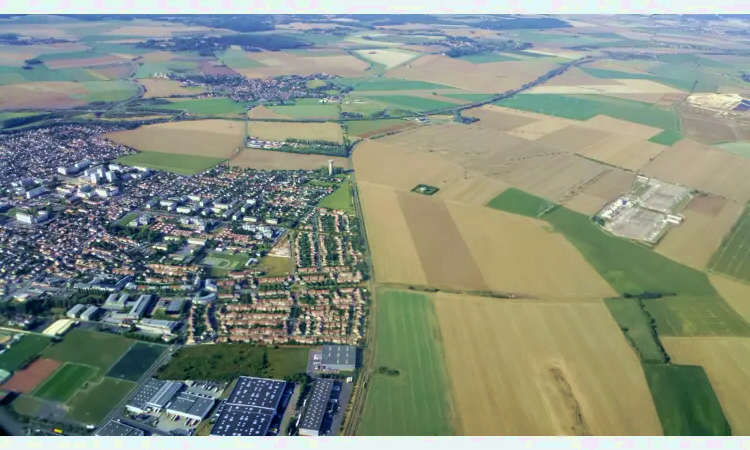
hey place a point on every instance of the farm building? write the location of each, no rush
(91, 313)
(334, 358)
(115, 428)
(75, 311)
(155, 395)
(311, 423)
(191, 406)
(250, 407)
(59, 328)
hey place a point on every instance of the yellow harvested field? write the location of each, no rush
(573, 138)
(389, 58)
(585, 204)
(699, 236)
(279, 131)
(498, 120)
(699, 166)
(261, 112)
(41, 95)
(612, 87)
(394, 255)
(623, 150)
(727, 364)
(475, 190)
(270, 160)
(158, 87)
(528, 368)
(445, 257)
(521, 256)
(540, 128)
(215, 138)
(612, 125)
(158, 30)
(735, 293)
(280, 63)
(612, 184)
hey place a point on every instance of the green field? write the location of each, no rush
(740, 148)
(149, 68)
(481, 58)
(122, 49)
(341, 198)
(127, 218)
(414, 103)
(584, 107)
(205, 106)
(300, 110)
(696, 316)
(223, 260)
(136, 361)
(23, 351)
(666, 137)
(238, 59)
(276, 266)
(27, 405)
(675, 75)
(359, 127)
(635, 324)
(732, 257)
(225, 362)
(107, 91)
(387, 84)
(685, 401)
(92, 405)
(89, 348)
(470, 97)
(416, 402)
(691, 59)
(522, 203)
(14, 75)
(82, 54)
(65, 382)
(171, 162)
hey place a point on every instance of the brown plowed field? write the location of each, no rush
(114, 72)
(519, 255)
(617, 126)
(585, 204)
(708, 205)
(526, 368)
(703, 127)
(623, 151)
(445, 258)
(52, 94)
(702, 167)
(727, 364)
(209, 69)
(157, 87)
(26, 380)
(261, 112)
(498, 120)
(393, 252)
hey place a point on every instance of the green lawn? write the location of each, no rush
(171, 162)
(481, 58)
(584, 107)
(341, 199)
(228, 361)
(740, 148)
(225, 260)
(23, 351)
(360, 127)
(276, 266)
(302, 110)
(205, 106)
(635, 324)
(416, 402)
(13, 75)
(92, 405)
(238, 59)
(685, 401)
(90, 348)
(65, 382)
(732, 257)
(136, 361)
(414, 103)
(387, 84)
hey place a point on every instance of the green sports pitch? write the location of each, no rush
(66, 382)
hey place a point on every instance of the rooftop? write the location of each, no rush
(317, 404)
(114, 428)
(340, 355)
(241, 420)
(192, 405)
(258, 392)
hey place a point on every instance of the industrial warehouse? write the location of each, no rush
(332, 359)
(320, 408)
(252, 407)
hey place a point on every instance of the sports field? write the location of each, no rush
(136, 361)
(91, 406)
(171, 162)
(275, 266)
(415, 401)
(65, 382)
(89, 348)
(223, 260)
(23, 351)
(685, 401)
(733, 257)
(340, 199)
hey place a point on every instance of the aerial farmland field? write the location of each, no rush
(91, 406)
(171, 162)
(84, 347)
(731, 258)
(204, 106)
(327, 131)
(412, 396)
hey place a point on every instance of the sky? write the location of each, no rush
(373, 6)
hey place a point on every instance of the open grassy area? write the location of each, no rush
(136, 361)
(64, 383)
(341, 199)
(223, 260)
(685, 401)
(13, 75)
(635, 324)
(678, 76)
(89, 348)
(171, 162)
(225, 362)
(108, 91)
(23, 351)
(92, 405)
(414, 103)
(276, 266)
(481, 58)
(732, 257)
(121, 49)
(303, 110)
(584, 107)
(205, 106)
(27, 405)
(360, 127)
(416, 401)
(685, 315)
(522, 203)
(387, 84)
(740, 148)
